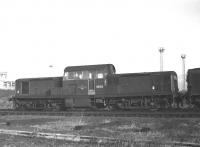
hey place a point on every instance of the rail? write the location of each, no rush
(97, 141)
(82, 112)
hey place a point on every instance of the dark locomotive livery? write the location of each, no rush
(150, 89)
(193, 86)
(37, 93)
(97, 86)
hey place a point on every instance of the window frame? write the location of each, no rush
(23, 86)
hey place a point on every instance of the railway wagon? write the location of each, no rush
(193, 86)
(37, 93)
(151, 89)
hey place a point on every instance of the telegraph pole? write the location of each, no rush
(161, 50)
(183, 56)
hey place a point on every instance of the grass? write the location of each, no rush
(17, 141)
(6, 93)
(4, 99)
(68, 124)
(133, 129)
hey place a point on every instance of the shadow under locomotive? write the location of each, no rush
(98, 86)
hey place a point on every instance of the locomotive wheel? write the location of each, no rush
(99, 105)
(109, 108)
(195, 103)
(122, 105)
(21, 107)
(16, 106)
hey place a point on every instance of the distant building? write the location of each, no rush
(4, 83)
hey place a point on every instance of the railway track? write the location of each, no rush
(97, 141)
(83, 112)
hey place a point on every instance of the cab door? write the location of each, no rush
(91, 85)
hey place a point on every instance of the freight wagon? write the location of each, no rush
(193, 86)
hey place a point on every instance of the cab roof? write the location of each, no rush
(194, 69)
(147, 73)
(90, 67)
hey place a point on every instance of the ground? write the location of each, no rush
(135, 129)
(5, 95)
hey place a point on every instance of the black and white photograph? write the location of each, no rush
(99, 73)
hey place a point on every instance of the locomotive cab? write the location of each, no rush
(83, 86)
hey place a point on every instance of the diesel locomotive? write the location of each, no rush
(98, 86)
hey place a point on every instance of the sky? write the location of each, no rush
(35, 34)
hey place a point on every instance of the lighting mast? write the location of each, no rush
(161, 50)
(183, 56)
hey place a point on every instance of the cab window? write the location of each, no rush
(78, 75)
(100, 76)
(85, 74)
(90, 75)
(71, 75)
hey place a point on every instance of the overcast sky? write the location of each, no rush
(127, 33)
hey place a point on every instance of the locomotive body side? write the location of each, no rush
(39, 87)
(142, 89)
(37, 93)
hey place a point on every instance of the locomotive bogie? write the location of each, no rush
(77, 102)
(38, 104)
(139, 102)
